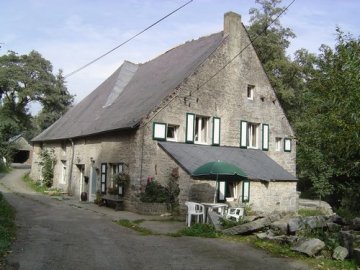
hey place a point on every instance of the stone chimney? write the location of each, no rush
(233, 29)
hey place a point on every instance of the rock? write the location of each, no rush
(250, 218)
(316, 205)
(356, 255)
(315, 222)
(333, 227)
(248, 228)
(350, 240)
(337, 219)
(280, 226)
(308, 246)
(355, 224)
(340, 253)
(295, 224)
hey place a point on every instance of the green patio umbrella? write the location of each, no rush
(218, 170)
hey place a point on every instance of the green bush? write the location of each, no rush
(7, 225)
(154, 193)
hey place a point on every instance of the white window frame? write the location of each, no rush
(216, 131)
(265, 137)
(251, 129)
(250, 92)
(159, 131)
(287, 145)
(176, 129)
(199, 137)
(278, 143)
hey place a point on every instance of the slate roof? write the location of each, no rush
(132, 92)
(255, 163)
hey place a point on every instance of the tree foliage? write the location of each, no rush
(320, 95)
(329, 126)
(25, 79)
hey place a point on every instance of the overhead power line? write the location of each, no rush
(139, 33)
(223, 67)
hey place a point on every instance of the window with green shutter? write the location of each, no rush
(190, 123)
(159, 131)
(265, 137)
(246, 191)
(243, 134)
(216, 131)
(287, 145)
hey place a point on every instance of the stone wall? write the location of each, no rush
(224, 96)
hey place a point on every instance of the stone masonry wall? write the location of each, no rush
(224, 96)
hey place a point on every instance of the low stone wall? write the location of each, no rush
(154, 209)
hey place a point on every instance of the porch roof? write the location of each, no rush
(255, 163)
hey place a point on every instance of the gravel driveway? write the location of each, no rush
(54, 235)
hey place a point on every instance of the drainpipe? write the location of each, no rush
(71, 165)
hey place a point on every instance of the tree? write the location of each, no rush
(329, 132)
(25, 79)
(271, 40)
(54, 104)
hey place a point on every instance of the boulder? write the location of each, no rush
(280, 226)
(350, 240)
(333, 227)
(295, 224)
(308, 246)
(316, 205)
(248, 228)
(314, 222)
(340, 253)
(337, 219)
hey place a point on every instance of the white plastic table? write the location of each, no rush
(220, 207)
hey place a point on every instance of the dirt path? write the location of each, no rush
(52, 235)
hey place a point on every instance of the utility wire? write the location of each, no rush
(147, 28)
(221, 69)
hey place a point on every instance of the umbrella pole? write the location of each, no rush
(216, 188)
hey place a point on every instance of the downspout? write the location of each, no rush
(142, 153)
(71, 165)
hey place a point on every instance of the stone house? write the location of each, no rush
(206, 100)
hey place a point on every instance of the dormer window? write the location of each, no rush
(253, 135)
(171, 134)
(201, 129)
(250, 91)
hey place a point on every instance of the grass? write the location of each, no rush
(7, 226)
(38, 187)
(310, 212)
(134, 225)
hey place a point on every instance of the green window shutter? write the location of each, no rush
(265, 137)
(190, 128)
(287, 145)
(159, 131)
(103, 178)
(243, 134)
(216, 131)
(246, 191)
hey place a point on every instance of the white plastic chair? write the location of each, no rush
(235, 213)
(195, 209)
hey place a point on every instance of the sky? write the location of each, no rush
(71, 33)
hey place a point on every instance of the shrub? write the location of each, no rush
(154, 193)
(47, 161)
